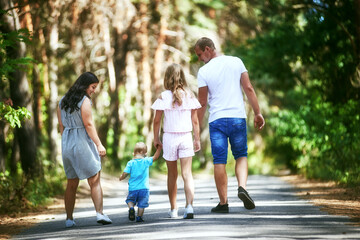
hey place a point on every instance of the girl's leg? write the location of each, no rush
(186, 174)
(171, 182)
(70, 195)
(96, 192)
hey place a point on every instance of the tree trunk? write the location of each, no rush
(125, 13)
(19, 92)
(356, 77)
(34, 24)
(143, 41)
(53, 72)
(159, 52)
(2, 146)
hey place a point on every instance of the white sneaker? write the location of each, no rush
(69, 223)
(173, 213)
(189, 212)
(103, 219)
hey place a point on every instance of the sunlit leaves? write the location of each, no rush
(13, 116)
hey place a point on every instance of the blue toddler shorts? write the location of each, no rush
(139, 198)
(228, 129)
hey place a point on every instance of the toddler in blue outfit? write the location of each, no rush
(138, 168)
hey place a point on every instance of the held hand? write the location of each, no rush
(197, 145)
(259, 121)
(157, 144)
(101, 150)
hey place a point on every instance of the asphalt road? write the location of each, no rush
(279, 214)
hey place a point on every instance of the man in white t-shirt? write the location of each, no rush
(220, 81)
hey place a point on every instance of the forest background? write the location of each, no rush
(303, 58)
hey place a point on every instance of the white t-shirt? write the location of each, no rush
(222, 77)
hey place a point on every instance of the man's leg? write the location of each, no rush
(221, 182)
(241, 171)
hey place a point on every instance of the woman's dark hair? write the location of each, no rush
(78, 91)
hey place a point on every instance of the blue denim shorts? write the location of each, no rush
(228, 129)
(139, 198)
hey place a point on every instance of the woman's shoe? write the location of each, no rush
(69, 223)
(173, 213)
(103, 219)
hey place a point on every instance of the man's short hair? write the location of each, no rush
(204, 42)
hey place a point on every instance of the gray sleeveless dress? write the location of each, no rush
(80, 156)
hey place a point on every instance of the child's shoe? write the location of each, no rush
(139, 219)
(69, 223)
(103, 219)
(131, 214)
(189, 212)
(173, 213)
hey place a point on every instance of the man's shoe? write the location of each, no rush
(69, 223)
(103, 219)
(245, 197)
(132, 214)
(139, 219)
(221, 208)
(189, 212)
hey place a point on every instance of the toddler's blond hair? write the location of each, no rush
(140, 148)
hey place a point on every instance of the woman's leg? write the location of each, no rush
(70, 196)
(171, 182)
(96, 192)
(186, 174)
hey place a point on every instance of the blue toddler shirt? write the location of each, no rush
(139, 173)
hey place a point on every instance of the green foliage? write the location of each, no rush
(322, 138)
(11, 40)
(7, 66)
(13, 116)
(18, 193)
(303, 58)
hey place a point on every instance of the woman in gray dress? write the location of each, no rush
(81, 146)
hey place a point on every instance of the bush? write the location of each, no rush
(322, 138)
(18, 193)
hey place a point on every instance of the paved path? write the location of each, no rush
(279, 214)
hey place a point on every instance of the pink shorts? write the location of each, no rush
(177, 145)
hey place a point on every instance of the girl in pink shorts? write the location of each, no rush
(179, 107)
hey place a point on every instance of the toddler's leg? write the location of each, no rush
(130, 205)
(141, 211)
(131, 211)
